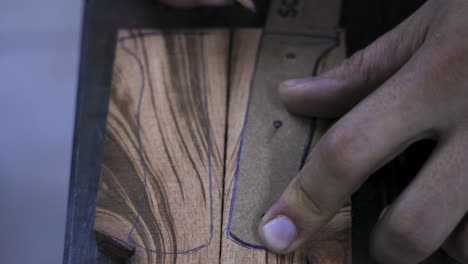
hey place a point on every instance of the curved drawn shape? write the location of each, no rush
(316, 54)
(162, 161)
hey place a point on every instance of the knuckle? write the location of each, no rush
(452, 51)
(337, 151)
(358, 65)
(356, 60)
(313, 206)
(403, 236)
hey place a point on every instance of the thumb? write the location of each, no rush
(292, 220)
(335, 92)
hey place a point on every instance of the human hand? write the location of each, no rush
(410, 84)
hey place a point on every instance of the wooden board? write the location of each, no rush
(274, 141)
(330, 246)
(297, 40)
(181, 155)
(162, 172)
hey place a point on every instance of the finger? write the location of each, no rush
(335, 92)
(428, 210)
(377, 129)
(457, 244)
(192, 3)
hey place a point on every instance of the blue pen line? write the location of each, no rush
(130, 239)
(308, 140)
(231, 235)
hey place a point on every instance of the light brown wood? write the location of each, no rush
(332, 245)
(274, 140)
(181, 126)
(183, 70)
(296, 42)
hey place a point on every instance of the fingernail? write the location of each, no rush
(309, 82)
(279, 233)
(296, 82)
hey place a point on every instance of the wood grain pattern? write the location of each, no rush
(298, 36)
(332, 245)
(163, 198)
(184, 134)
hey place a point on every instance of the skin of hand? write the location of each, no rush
(410, 84)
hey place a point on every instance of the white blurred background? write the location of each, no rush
(39, 59)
